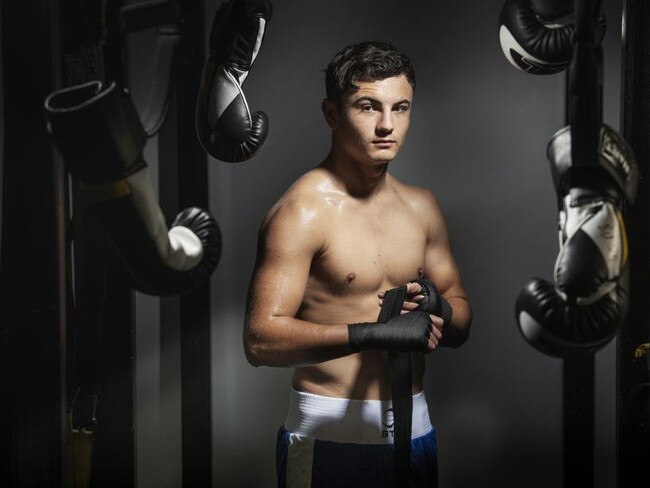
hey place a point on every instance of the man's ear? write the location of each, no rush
(331, 113)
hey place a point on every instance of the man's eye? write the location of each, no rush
(366, 108)
(401, 108)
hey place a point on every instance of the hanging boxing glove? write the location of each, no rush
(225, 126)
(536, 36)
(101, 137)
(582, 310)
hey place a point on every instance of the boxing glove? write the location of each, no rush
(101, 137)
(582, 310)
(225, 126)
(536, 36)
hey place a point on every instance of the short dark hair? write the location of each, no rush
(365, 61)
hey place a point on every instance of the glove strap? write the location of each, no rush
(399, 365)
(165, 15)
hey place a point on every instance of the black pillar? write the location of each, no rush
(578, 421)
(632, 373)
(183, 183)
(32, 336)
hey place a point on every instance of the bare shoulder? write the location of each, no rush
(302, 201)
(421, 200)
(299, 216)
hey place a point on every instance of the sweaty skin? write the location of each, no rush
(340, 236)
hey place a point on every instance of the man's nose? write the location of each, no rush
(385, 122)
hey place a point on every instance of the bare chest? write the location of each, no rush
(368, 252)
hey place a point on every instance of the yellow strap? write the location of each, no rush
(107, 191)
(79, 450)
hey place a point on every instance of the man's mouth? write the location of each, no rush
(383, 143)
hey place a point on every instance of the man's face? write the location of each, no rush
(370, 124)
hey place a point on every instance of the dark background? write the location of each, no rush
(478, 138)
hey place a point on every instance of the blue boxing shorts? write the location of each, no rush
(330, 442)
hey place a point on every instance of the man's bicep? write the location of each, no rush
(278, 285)
(440, 265)
(286, 248)
(441, 268)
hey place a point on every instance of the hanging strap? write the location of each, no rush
(165, 15)
(585, 87)
(399, 364)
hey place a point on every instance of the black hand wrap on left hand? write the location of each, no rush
(433, 302)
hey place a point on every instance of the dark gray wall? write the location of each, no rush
(478, 139)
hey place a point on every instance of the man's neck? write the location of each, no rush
(361, 180)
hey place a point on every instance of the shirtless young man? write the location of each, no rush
(342, 234)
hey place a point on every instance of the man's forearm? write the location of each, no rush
(456, 332)
(291, 342)
(285, 341)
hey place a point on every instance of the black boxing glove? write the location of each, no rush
(225, 126)
(537, 36)
(582, 309)
(99, 133)
(405, 333)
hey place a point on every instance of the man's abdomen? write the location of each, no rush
(360, 376)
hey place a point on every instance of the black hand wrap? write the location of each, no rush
(408, 332)
(399, 368)
(433, 302)
(400, 334)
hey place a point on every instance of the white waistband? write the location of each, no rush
(352, 421)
